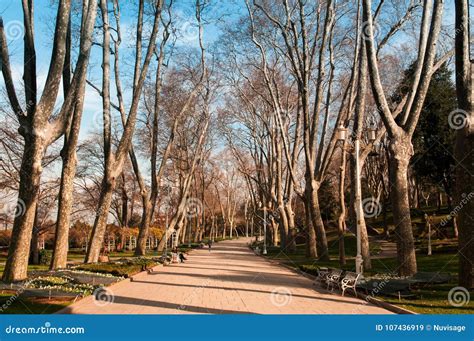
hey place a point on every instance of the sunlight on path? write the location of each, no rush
(228, 280)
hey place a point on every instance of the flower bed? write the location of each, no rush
(61, 283)
(124, 267)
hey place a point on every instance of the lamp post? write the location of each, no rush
(246, 219)
(264, 230)
(162, 184)
(428, 224)
(342, 136)
(190, 217)
(169, 190)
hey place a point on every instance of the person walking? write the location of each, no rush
(209, 244)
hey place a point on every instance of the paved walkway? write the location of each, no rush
(229, 280)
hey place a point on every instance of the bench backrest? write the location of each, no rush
(334, 274)
(351, 276)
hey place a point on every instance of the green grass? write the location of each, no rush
(10, 304)
(430, 298)
(31, 268)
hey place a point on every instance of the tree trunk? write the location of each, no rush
(34, 252)
(341, 221)
(311, 251)
(291, 240)
(144, 226)
(465, 196)
(65, 201)
(464, 145)
(400, 152)
(321, 240)
(124, 203)
(283, 223)
(439, 201)
(359, 215)
(100, 223)
(386, 231)
(16, 264)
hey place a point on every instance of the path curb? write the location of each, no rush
(367, 298)
(115, 284)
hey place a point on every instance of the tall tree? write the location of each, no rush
(68, 155)
(433, 139)
(465, 145)
(39, 126)
(401, 132)
(114, 160)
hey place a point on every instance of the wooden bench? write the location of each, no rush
(349, 281)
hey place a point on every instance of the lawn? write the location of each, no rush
(430, 298)
(125, 268)
(11, 304)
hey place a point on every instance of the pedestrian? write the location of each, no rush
(209, 243)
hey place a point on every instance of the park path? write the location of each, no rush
(229, 280)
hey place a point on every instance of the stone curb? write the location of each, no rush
(367, 298)
(116, 284)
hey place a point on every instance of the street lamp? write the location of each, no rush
(168, 189)
(341, 133)
(342, 136)
(189, 228)
(264, 230)
(372, 133)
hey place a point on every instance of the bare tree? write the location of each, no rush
(38, 127)
(114, 160)
(465, 145)
(401, 132)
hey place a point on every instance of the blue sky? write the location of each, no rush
(12, 13)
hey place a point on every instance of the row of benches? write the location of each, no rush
(338, 278)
